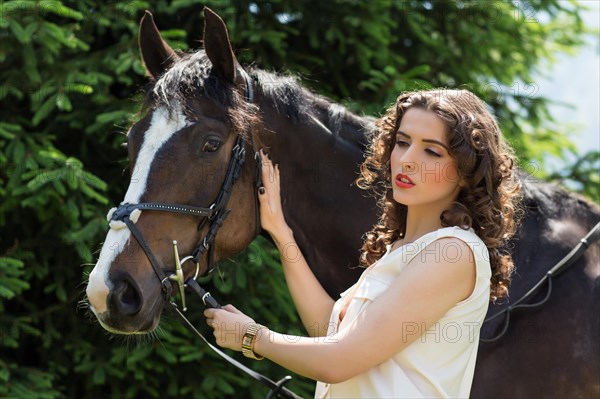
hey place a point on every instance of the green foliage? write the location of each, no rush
(69, 87)
(583, 175)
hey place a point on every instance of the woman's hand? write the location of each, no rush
(271, 212)
(229, 325)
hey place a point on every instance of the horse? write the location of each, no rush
(205, 116)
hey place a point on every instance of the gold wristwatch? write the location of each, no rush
(248, 342)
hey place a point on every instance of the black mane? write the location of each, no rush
(192, 74)
(291, 99)
(284, 93)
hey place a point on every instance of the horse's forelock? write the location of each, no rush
(193, 75)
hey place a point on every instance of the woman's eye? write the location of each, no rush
(433, 153)
(402, 143)
(211, 146)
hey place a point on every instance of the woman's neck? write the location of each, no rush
(420, 221)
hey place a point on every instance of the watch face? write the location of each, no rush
(247, 345)
(247, 341)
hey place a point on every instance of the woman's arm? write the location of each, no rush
(313, 303)
(414, 302)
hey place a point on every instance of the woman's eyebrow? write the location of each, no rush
(436, 142)
(401, 133)
(432, 141)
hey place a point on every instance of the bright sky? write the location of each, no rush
(576, 80)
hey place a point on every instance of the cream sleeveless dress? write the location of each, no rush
(441, 362)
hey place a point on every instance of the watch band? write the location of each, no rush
(248, 341)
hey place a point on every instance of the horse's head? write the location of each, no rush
(180, 153)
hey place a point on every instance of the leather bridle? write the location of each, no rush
(214, 215)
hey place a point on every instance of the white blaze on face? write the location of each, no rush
(162, 128)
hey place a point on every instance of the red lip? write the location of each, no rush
(404, 181)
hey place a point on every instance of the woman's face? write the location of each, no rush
(423, 172)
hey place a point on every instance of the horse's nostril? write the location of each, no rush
(128, 299)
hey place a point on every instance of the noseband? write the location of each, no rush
(214, 215)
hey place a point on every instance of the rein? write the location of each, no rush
(215, 214)
(276, 389)
(563, 265)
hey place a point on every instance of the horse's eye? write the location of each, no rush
(211, 146)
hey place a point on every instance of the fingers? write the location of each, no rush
(211, 313)
(232, 309)
(269, 196)
(216, 314)
(269, 193)
(210, 316)
(229, 326)
(270, 173)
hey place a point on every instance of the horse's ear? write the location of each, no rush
(217, 46)
(157, 55)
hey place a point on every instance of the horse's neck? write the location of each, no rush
(320, 156)
(327, 138)
(319, 160)
(348, 128)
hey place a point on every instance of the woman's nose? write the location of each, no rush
(409, 167)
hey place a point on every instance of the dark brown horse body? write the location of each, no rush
(552, 352)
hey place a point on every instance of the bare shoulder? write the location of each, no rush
(449, 262)
(453, 251)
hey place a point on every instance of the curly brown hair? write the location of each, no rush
(489, 197)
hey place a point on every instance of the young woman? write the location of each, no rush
(410, 326)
